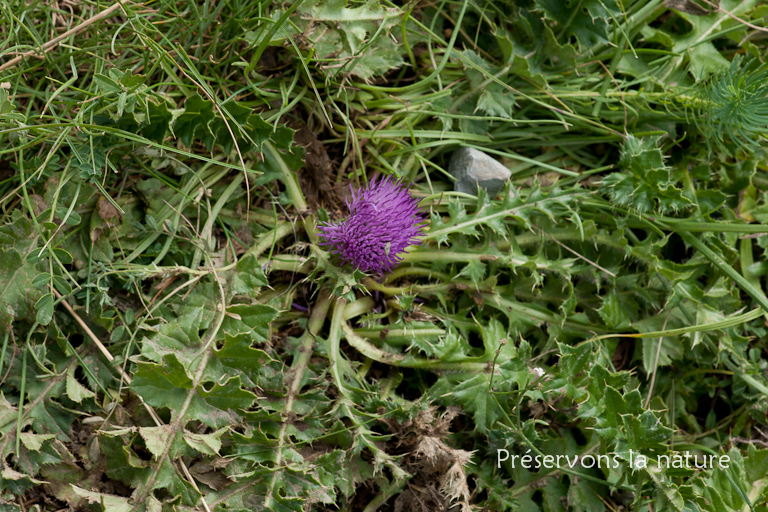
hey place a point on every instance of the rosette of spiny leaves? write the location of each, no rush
(647, 184)
(733, 106)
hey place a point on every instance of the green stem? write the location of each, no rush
(416, 271)
(399, 360)
(207, 233)
(166, 212)
(299, 366)
(266, 241)
(447, 257)
(399, 333)
(725, 268)
(21, 392)
(289, 263)
(707, 227)
(370, 284)
(746, 261)
(289, 177)
(723, 324)
(358, 307)
(536, 315)
(334, 342)
(179, 418)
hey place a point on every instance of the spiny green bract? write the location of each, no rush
(648, 185)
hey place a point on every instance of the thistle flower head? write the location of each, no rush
(384, 219)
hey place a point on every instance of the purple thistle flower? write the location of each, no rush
(384, 219)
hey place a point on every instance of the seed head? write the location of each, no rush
(384, 219)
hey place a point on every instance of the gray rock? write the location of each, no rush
(473, 169)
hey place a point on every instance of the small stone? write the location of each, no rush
(473, 169)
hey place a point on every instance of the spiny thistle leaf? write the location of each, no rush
(587, 19)
(648, 185)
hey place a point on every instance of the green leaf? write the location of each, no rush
(18, 295)
(76, 391)
(710, 200)
(121, 99)
(208, 444)
(574, 359)
(35, 442)
(584, 496)
(248, 277)
(226, 396)
(459, 218)
(156, 438)
(355, 37)
(8, 108)
(130, 81)
(648, 186)
(123, 464)
(62, 285)
(379, 58)
(106, 83)
(237, 354)
(180, 338)
(252, 321)
(474, 396)
(646, 432)
(63, 256)
(169, 385)
(90, 159)
(475, 270)
(41, 280)
(613, 313)
(109, 502)
(44, 307)
(195, 121)
(670, 491)
(437, 224)
(586, 19)
(697, 44)
(237, 117)
(531, 48)
(158, 121)
(655, 355)
(496, 101)
(671, 348)
(476, 68)
(162, 385)
(756, 463)
(444, 348)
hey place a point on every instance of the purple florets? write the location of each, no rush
(384, 219)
